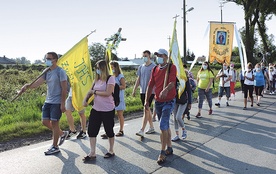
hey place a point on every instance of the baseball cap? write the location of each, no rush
(161, 51)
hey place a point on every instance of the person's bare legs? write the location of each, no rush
(92, 152)
(56, 132)
(48, 124)
(111, 145)
(83, 121)
(147, 117)
(121, 119)
(70, 120)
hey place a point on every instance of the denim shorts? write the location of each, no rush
(222, 89)
(51, 112)
(163, 111)
(69, 105)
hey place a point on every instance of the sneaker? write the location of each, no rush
(140, 133)
(270, 93)
(176, 138)
(71, 134)
(217, 104)
(184, 134)
(63, 137)
(81, 135)
(210, 112)
(52, 150)
(198, 115)
(227, 104)
(244, 108)
(150, 131)
(188, 116)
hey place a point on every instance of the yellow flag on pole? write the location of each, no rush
(221, 42)
(176, 59)
(108, 58)
(76, 62)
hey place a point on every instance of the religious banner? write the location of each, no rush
(221, 42)
(76, 62)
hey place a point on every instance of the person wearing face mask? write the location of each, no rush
(205, 81)
(225, 76)
(120, 80)
(143, 77)
(248, 85)
(233, 80)
(265, 72)
(272, 76)
(163, 82)
(259, 82)
(54, 106)
(103, 110)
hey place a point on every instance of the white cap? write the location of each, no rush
(161, 51)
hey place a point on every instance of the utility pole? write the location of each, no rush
(184, 30)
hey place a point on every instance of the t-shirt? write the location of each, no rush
(204, 77)
(53, 79)
(248, 74)
(259, 78)
(271, 75)
(157, 80)
(103, 103)
(234, 76)
(144, 73)
(228, 73)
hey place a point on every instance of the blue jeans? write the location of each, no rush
(163, 111)
(51, 112)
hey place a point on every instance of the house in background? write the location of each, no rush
(6, 61)
(128, 64)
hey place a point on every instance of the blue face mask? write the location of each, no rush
(204, 67)
(98, 71)
(49, 63)
(113, 70)
(160, 60)
(145, 59)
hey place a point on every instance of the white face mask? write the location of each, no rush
(258, 69)
(231, 67)
(224, 67)
(160, 60)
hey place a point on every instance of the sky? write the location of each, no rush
(31, 28)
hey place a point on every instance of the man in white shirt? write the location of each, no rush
(225, 77)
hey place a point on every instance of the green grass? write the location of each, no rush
(22, 118)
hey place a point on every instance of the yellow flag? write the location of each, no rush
(176, 59)
(76, 62)
(221, 42)
(108, 57)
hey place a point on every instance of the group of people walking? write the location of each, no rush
(157, 83)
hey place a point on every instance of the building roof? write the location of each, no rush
(5, 60)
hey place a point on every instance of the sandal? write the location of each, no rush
(88, 158)
(169, 152)
(120, 133)
(108, 155)
(104, 136)
(161, 159)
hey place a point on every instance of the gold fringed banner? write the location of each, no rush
(221, 42)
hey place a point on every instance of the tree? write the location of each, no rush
(22, 60)
(190, 55)
(97, 52)
(256, 12)
(38, 62)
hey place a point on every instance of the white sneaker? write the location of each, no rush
(140, 133)
(176, 138)
(150, 131)
(51, 151)
(184, 134)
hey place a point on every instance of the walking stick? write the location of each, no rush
(21, 92)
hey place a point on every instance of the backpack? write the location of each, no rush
(116, 93)
(193, 84)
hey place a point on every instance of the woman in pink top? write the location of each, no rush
(103, 109)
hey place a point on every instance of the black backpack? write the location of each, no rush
(116, 93)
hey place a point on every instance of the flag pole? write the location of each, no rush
(94, 31)
(21, 92)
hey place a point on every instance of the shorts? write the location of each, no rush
(51, 112)
(222, 89)
(163, 111)
(143, 96)
(69, 105)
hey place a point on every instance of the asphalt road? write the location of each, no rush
(229, 141)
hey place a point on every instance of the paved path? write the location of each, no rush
(229, 141)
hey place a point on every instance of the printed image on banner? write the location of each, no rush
(221, 42)
(76, 62)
